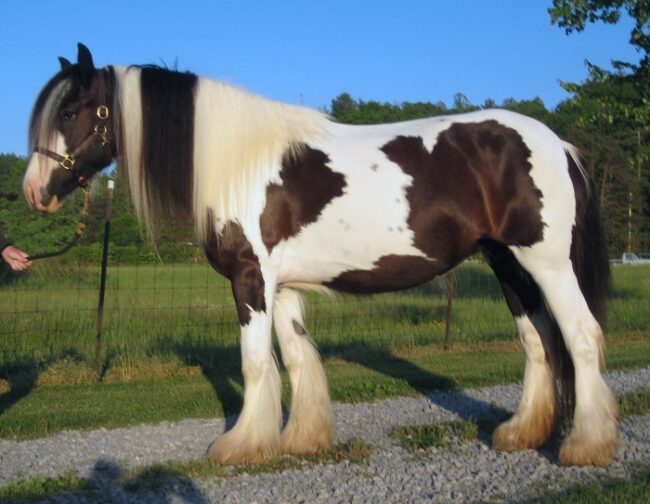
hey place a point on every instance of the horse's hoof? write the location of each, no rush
(580, 451)
(517, 434)
(296, 442)
(229, 450)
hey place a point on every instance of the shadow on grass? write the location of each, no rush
(221, 367)
(438, 389)
(21, 376)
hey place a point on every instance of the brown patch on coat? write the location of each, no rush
(232, 255)
(391, 272)
(308, 186)
(474, 184)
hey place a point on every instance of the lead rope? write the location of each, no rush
(79, 231)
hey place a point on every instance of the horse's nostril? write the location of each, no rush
(45, 197)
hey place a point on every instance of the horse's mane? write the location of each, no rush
(196, 145)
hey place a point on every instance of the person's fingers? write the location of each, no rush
(18, 264)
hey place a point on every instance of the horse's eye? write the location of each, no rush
(67, 115)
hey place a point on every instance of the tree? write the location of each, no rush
(532, 108)
(615, 108)
(573, 15)
(343, 106)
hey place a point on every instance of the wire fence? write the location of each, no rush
(152, 310)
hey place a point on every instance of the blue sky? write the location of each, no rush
(306, 51)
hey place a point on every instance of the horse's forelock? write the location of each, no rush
(43, 119)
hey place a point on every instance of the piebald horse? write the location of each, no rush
(284, 199)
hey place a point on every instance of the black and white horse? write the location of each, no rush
(283, 199)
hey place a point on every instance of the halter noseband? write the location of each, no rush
(68, 161)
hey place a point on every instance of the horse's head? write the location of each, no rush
(71, 134)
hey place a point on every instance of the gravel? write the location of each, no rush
(465, 472)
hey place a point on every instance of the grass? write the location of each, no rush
(41, 487)
(604, 492)
(634, 403)
(163, 312)
(170, 347)
(195, 392)
(440, 435)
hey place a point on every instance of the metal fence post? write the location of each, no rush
(451, 287)
(102, 285)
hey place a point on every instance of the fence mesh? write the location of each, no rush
(186, 310)
(153, 309)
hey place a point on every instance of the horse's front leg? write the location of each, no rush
(256, 435)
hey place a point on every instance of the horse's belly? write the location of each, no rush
(362, 252)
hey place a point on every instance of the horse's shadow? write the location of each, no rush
(18, 380)
(220, 366)
(20, 377)
(438, 389)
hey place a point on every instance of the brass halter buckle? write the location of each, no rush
(102, 112)
(67, 162)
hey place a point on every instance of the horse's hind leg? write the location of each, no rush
(594, 435)
(309, 429)
(256, 435)
(536, 414)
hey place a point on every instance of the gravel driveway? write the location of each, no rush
(465, 473)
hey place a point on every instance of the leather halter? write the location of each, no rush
(100, 132)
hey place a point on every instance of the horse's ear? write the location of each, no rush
(64, 63)
(86, 65)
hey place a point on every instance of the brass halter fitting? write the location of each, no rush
(67, 162)
(102, 112)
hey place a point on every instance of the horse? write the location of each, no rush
(284, 199)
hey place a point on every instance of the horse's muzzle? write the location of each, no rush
(39, 198)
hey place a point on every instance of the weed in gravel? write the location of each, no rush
(634, 403)
(420, 437)
(603, 492)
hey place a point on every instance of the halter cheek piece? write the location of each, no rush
(100, 132)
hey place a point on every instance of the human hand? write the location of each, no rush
(16, 258)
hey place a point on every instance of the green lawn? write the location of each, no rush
(170, 344)
(166, 312)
